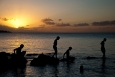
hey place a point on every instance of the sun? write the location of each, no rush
(16, 23)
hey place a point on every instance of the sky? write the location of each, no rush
(57, 15)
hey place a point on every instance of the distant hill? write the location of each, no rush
(4, 31)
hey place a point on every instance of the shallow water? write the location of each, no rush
(83, 45)
(92, 68)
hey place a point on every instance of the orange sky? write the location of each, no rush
(57, 15)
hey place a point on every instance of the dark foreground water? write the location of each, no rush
(83, 44)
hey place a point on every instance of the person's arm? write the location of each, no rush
(64, 55)
(15, 50)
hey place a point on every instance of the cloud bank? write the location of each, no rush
(48, 21)
(81, 24)
(103, 23)
(6, 19)
(62, 24)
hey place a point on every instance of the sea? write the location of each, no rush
(83, 45)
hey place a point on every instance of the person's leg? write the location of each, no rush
(103, 51)
(56, 51)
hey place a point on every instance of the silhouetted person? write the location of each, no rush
(18, 58)
(18, 50)
(103, 47)
(81, 69)
(67, 53)
(55, 46)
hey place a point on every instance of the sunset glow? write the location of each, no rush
(17, 23)
(58, 15)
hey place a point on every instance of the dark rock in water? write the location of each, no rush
(52, 60)
(31, 54)
(4, 60)
(43, 60)
(91, 57)
(18, 60)
(36, 62)
(8, 60)
(23, 53)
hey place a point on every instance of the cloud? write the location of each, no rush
(42, 26)
(4, 19)
(27, 25)
(103, 23)
(62, 24)
(48, 21)
(112, 22)
(11, 29)
(4, 27)
(39, 27)
(81, 24)
(60, 20)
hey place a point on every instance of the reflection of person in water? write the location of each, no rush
(103, 65)
(55, 46)
(18, 50)
(103, 47)
(67, 53)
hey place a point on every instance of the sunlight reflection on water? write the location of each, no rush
(38, 43)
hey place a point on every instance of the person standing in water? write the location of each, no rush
(55, 46)
(103, 47)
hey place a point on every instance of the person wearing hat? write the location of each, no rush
(55, 46)
(103, 46)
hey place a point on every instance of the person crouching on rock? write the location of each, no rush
(18, 50)
(67, 53)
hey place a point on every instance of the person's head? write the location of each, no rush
(58, 38)
(104, 39)
(70, 48)
(21, 46)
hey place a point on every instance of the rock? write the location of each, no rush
(18, 60)
(43, 60)
(4, 60)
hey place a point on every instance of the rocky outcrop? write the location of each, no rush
(8, 60)
(43, 60)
